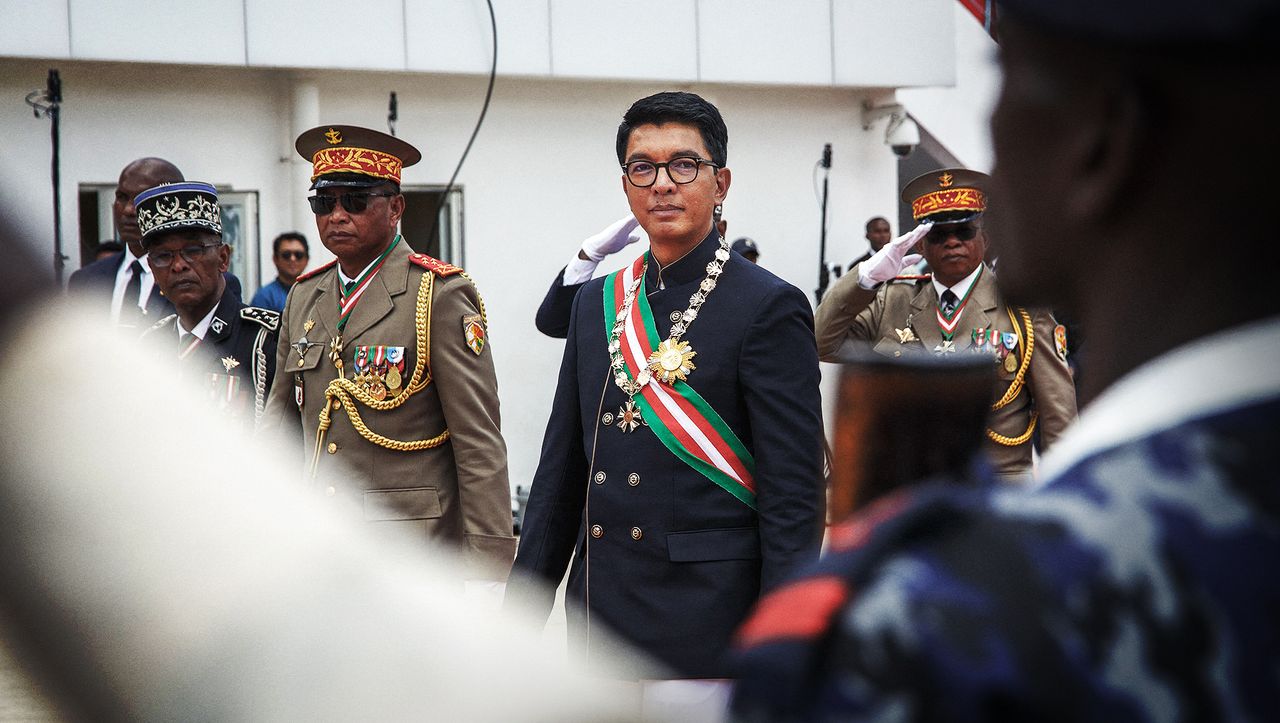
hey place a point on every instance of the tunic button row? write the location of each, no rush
(333, 448)
(597, 531)
(633, 479)
(600, 477)
(636, 533)
(607, 419)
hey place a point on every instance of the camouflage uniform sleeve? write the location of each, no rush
(1051, 383)
(468, 389)
(847, 312)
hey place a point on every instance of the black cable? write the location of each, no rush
(493, 73)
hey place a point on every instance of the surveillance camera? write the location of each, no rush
(902, 135)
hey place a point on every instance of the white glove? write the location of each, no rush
(615, 237)
(889, 261)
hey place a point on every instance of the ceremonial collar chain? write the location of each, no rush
(672, 361)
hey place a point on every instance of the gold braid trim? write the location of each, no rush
(483, 317)
(1019, 380)
(348, 392)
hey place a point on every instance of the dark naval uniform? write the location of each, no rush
(1034, 382)
(1137, 584)
(417, 421)
(236, 361)
(656, 551)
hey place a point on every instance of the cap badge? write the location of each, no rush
(333, 136)
(944, 181)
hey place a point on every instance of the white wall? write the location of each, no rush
(854, 43)
(541, 177)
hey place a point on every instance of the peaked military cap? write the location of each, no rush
(188, 205)
(354, 156)
(947, 195)
(745, 246)
(1143, 22)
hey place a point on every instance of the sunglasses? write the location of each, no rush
(294, 255)
(962, 231)
(352, 202)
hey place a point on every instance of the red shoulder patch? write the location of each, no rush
(316, 270)
(800, 610)
(434, 265)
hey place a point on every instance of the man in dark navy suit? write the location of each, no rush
(124, 280)
(681, 468)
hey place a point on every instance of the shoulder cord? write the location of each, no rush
(1027, 341)
(259, 375)
(347, 392)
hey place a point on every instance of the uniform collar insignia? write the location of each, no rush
(217, 325)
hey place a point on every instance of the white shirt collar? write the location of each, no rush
(346, 280)
(129, 258)
(962, 286)
(202, 327)
(1178, 386)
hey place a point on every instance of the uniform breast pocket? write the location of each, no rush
(308, 359)
(730, 543)
(891, 348)
(415, 503)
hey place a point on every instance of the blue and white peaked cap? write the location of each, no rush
(187, 205)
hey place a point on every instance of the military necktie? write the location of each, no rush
(949, 301)
(130, 308)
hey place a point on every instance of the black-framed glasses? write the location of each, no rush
(962, 231)
(352, 201)
(191, 254)
(293, 255)
(643, 174)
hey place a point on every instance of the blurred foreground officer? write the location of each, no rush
(1139, 583)
(231, 346)
(384, 358)
(956, 310)
(680, 471)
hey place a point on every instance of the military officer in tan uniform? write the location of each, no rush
(956, 310)
(384, 361)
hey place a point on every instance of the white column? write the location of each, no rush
(304, 115)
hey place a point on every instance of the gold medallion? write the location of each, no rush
(377, 390)
(1011, 363)
(393, 378)
(672, 361)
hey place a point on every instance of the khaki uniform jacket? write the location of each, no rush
(875, 317)
(456, 493)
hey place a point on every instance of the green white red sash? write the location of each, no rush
(684, 421)
(352, 293)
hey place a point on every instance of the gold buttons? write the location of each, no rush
(597, 531)
(633, 479)
(301, 361)
(337, 404)
(674, 316)
(636, 533)
(600, 477)
(330, 491)
(607, 419)
(333, 448)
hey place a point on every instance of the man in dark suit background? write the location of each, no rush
(124, 279)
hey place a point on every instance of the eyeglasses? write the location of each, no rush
(190, 254)
(962, 232)
(293, 255)
(643, 174)
(352, 202)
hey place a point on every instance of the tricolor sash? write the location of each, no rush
(353, 292)
(684, 421)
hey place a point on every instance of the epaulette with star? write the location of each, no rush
(266, 317)
(316, 270)
(434, 265)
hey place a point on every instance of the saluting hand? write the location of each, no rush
(890, 260)
(615, 237)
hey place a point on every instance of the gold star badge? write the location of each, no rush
(308, 325)
(229, 363)
(906, 335)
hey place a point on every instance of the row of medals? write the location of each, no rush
(379, 384)
(672, 361)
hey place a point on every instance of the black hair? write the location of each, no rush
(677, 107)
(289, 236)
(873, 219)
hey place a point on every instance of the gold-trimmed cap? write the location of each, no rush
(184, 206)
(337, 152)
(947, 195)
